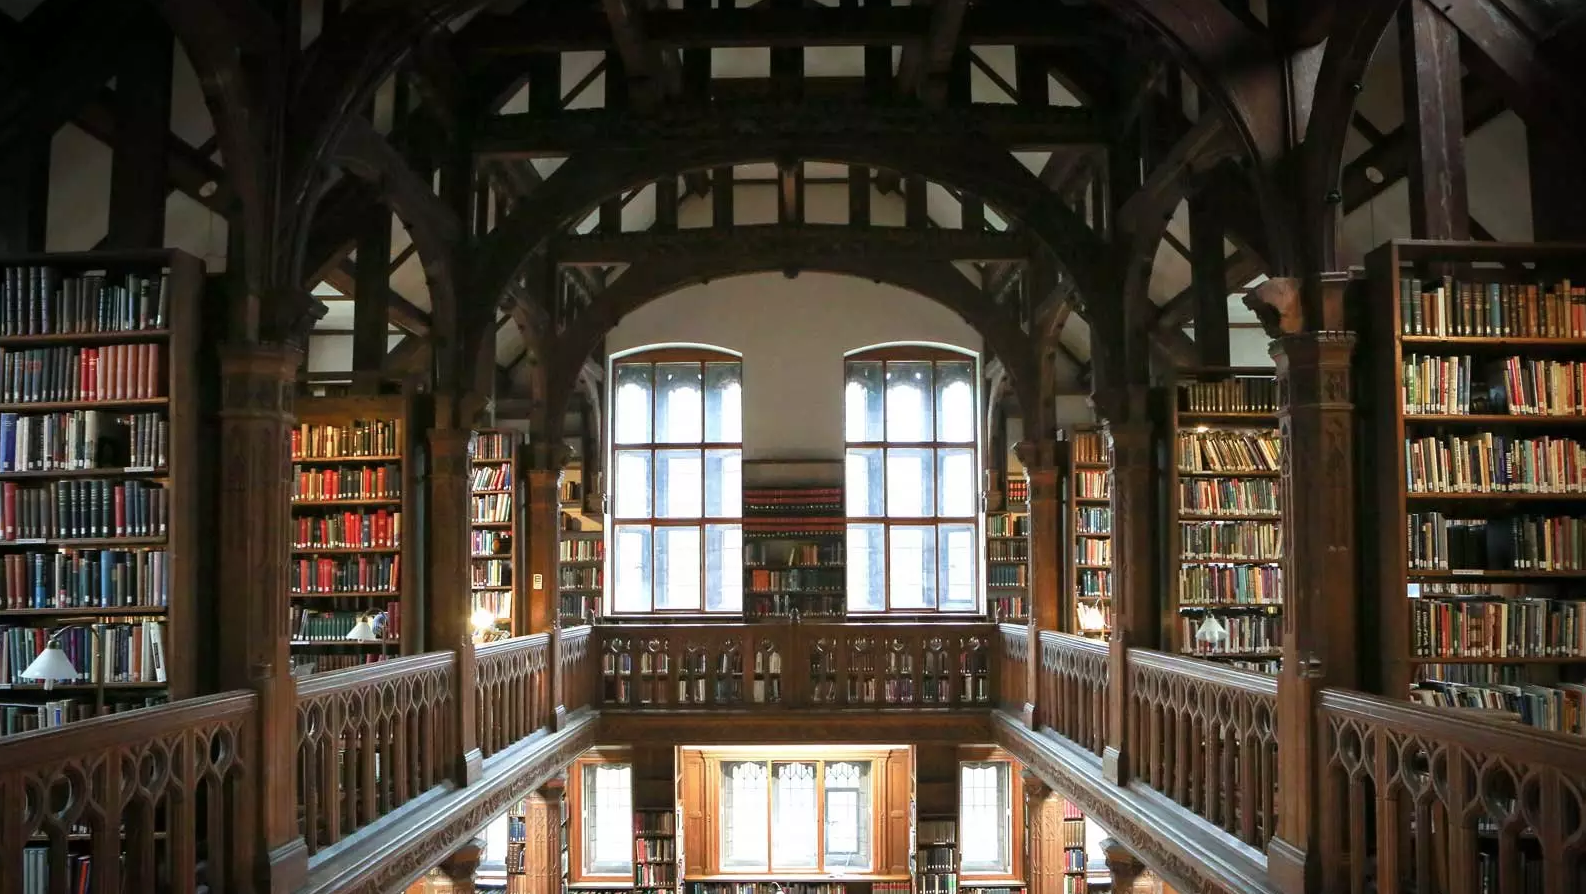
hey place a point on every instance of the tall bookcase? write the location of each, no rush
(493, 519)
(1472, 363)
(1008, 551)
(657, 844)
(1074, 858)
(1226, 540)
(353, 487)
(793, 544)
(581, 572)
(100, 471)
(1090, 582)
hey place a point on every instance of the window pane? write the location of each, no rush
(848, 798)
(956, 554)
(631, 485)
(955, 482)
(630, 568)
(796, 818)
(679, 484)
(677, 569)
(867, 568)
(679, 405)
(745, 811)
(630, 411)
(723, 402)
(608, 819)
(955, 401)
(913, 566)
(984, 817)
(723, 483)
(865, 481)
(723, 568)
(909, 478)
(862, 401)
(909, 401)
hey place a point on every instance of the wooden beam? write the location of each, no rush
(1435, 123)
(925, 61)
(902, 243)
(790, 193)
(1209, 279)
(24, 195)
(641, 60)
(1390, 157)
(69, 70)
(1238, 269)
(405, 315)
(371, 295)
(139, 172)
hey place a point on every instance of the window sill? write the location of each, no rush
(797, 876)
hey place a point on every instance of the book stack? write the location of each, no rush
(582, 577)
(1008, 554)
(793, 554)
(1090, 503)
(492, 454)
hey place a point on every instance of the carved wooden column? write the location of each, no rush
(1316, 423)
(1125, 867)
(543, 529)
(542, 862)
(256, 417)
(447, 623)
(455, 874)
(1134, 622)
(1043, 811)
(1040, 459)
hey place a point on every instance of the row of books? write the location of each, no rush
(1008, 551)
(1009, 575)
(492, 509)
(654, 822)
(1005, 525)
(132, 651)
(83, 439)
(793, 501)
(86, 578)
(1236, 634)
(40, 300)
(1227, 451)
(1018, 489)
(1006, 606)
(351, 574)
(1517, 386)
(321, 662)
(37, 869)
(587, 550)
(1560, 708)
(376, 438)
(1242, 394)
(83, 509)
(82, 375)
(1518, 543)
(592, 578)
(805, 580)
(25, 717)
(1093, 485)
(1207, 585)
(497, 602)
(363, 482)
(1497, 628)
(934, 831)
(578, 608)
(492, 573)
(1236, 540)
(937, 859)
(1089, 448)
(493, 447)
(1092, 519)
(1466, 308)
(760, 606)
(348, 530)
(491, 543)
(1484, 463)
(320, 626)
(787, 888)
(654, 850)
(1225, 496)
(1093, 583)
(764, 554)
(1093, 551)
(491, 477)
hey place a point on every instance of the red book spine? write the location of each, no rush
(121, 511)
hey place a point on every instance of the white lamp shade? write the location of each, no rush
(51, 665)
(1212, 630)
(362, 630)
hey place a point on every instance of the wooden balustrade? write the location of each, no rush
(1417, 799)
(1012, 674)
(841, 665)
(1204, 735)
(1073, 681)
(168, 788)
(369, 739)
(513, 691)
(577, 668)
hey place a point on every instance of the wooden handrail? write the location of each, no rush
(513, 691)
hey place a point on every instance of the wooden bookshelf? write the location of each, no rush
(1225, 542)
(794, 540)
(494, 519)
(100, 407)
(657, 845)
(1074, 855)
(581, 567)
(1476, 609)
(517, 857)
(1089, 580)
(936, 854)
(1008, 552)
(353, 538)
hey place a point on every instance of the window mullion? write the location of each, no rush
(820, 816)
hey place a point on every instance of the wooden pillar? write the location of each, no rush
(542, 861)
(24, 195)
(1209, 279)
(1043, 811)
(256, 418)
(1042, 465)
(1125, 867)
(1127, 422)
(447, 609)
(371, 290)
(541, 549)
(139, 182)
(1434, 122)
(1316, 423)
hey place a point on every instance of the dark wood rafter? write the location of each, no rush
(922, 66)
(139, 179)
(1208, 277)
(1434, 122)
(652, 72)
(1389, 157)
(1239, 268)
(900, 243)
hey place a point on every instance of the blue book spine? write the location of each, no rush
(8, 442)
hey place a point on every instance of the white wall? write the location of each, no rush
(793, 334)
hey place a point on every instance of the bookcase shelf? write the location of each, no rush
(793, 554)
(657, 839)
(936, 854)
(493, 479)
(1074, 857)
(581, 571)
(352, 561)
(1008, 553)
(100, 477)
(1475, 441)
(1088, 494)
(1226, 540)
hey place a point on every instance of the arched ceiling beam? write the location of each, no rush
(901, 244)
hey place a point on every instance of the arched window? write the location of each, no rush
(676, 482)
(912, 480)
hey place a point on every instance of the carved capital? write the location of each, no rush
(1037, 454)
(548, 457)
(1314, 370)
(1287, 305)
(258, 379)
(449, 452)
(1125, 867)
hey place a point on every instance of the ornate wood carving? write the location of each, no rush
(775, 727)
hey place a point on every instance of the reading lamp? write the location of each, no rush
(51, 663)
(1212, 630)
(364, 630)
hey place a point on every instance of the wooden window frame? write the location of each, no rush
(991, 754)
(576, 873)
(652, 358)
(934, 356)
